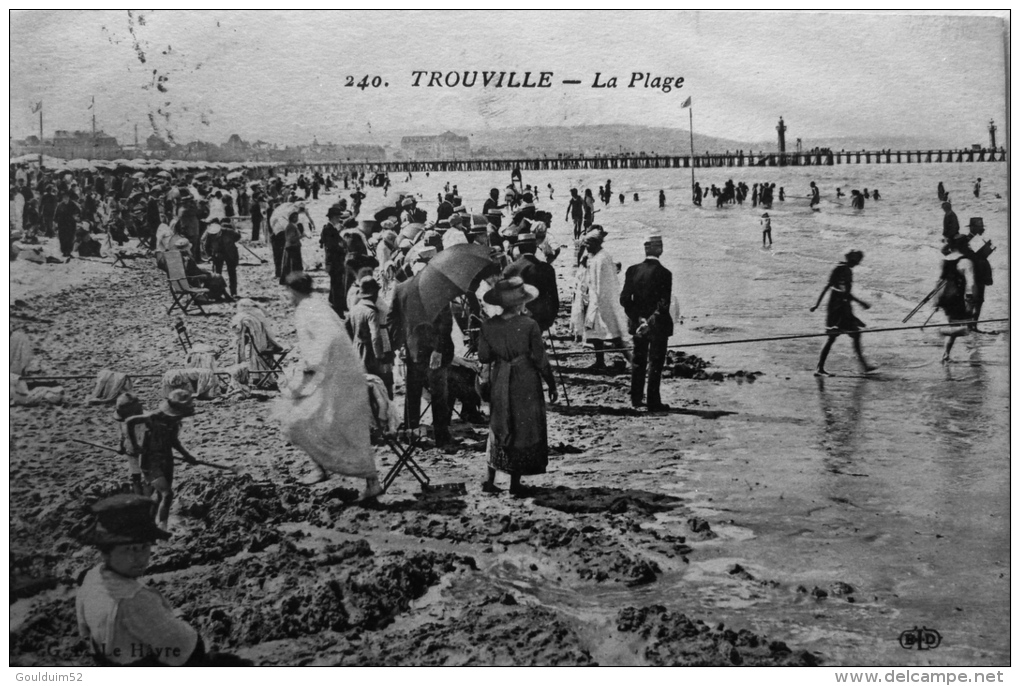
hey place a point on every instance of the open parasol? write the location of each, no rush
(451, 273)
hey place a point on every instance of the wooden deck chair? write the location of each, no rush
(182, 335)
(269, 360)
(185, 296)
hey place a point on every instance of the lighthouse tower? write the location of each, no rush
(991, 132)
(782, 136)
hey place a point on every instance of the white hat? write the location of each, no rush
(653, 238)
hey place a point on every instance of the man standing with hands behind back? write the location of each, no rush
(646, 298)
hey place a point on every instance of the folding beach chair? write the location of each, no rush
(185, 296)
(267, 360)
(403, 454)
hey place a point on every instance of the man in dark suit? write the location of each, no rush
(428, 351)
(646, 297)
(542, 276)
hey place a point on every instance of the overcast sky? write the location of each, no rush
(280, 76)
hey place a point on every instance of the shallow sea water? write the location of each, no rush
(896, 484)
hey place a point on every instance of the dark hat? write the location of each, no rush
(369, 226)
(510, 292)
(528, 197)
(368, 284)
(854, 255)
(128, 405)
(334, 211)
(180, 403)
(976, 224)
(300, 282)
(123, 519)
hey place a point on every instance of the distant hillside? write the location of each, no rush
(536, 141)
(921, 142)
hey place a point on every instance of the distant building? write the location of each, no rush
(70, 145)
(156, 143)
(445, 146)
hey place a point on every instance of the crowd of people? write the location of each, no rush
(373, 319)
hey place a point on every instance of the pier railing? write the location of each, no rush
(735, 159)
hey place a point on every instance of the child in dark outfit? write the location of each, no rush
(162, 429)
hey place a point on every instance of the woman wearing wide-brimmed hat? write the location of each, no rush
(512, 343)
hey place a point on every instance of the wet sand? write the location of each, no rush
(773, 521)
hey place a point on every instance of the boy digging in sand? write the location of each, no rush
(162, 431)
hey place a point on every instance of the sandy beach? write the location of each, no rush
(767, 519)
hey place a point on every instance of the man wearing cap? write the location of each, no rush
(336, 252)
(539, 275)
(428, 352)
(161, 438)
(371, 339)
(646, 297)
(982, 268)
(492, 209)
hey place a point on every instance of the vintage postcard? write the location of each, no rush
(510, 338)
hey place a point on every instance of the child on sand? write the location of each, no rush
(162, 431)
(766, 223)
(130, 406)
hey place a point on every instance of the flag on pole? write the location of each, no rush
(687, 103)
(36, 107)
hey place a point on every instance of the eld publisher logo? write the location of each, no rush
(921, 639)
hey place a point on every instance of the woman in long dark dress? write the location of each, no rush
(840, 317)
(512, 343)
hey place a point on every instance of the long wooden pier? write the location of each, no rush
(737, 159)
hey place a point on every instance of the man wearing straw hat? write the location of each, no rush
(646, 297)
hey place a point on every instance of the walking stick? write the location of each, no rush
(253, 253)
(552, 344)
(938, 287)
(197, 461)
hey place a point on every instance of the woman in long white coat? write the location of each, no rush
(604, 318)
(324, 409)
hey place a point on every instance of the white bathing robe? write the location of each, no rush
(326, 412)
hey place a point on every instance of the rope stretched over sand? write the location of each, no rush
(779, 338)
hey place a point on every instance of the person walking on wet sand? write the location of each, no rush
(957, 298)
(575, 212)
(161, 438)
(766, 223)
(815, 195)
(840, 317)
(662, 199)
(977, 188)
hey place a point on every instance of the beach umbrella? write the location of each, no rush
(139, 175)
(282, 212)
(164, 174)
(449, 274)
(234, 175)
(24, 159)
(79, 164)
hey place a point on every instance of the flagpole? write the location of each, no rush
(40, 137)
(690, 111)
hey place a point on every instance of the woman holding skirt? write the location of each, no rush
(321, 410)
